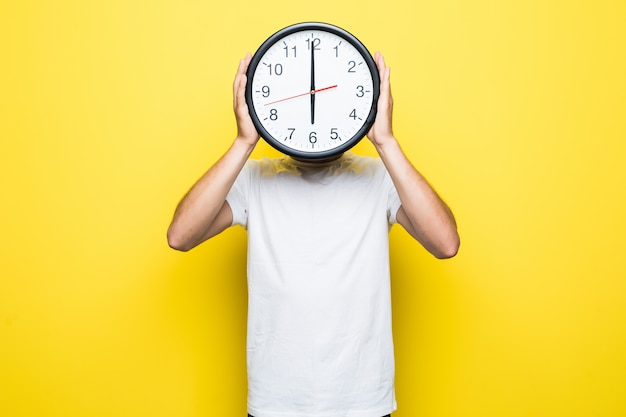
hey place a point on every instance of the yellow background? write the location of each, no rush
(110, 110)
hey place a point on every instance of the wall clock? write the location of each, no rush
(312, 90)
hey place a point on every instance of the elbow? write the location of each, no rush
(176, 241)
(178, 247)
(448, 249)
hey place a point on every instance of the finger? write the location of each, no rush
(239, 85)
(380, 62)
(244, 62)
(384, 79)
(243, 67)
(384, 73)
(237, 78)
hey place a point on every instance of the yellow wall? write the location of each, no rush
(109, 110)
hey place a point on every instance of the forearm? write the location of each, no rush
(197, 212)
(423, 213)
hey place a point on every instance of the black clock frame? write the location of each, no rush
(369, 60)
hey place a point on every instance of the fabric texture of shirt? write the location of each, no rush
(319, 339)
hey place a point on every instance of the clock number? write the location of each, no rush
(352, 65)
(265, 91)
(278, 69)
(353, 114)
(312, 137)
(315, 42)
(273, 114)
(333, 134)
(290, 134)
(286, 48)
(336, 48)
(360, 91)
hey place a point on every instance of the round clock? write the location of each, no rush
(312, 90)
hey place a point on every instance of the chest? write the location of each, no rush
(302, 215)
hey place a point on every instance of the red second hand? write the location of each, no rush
(300, 95)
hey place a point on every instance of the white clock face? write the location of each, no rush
(312, 91)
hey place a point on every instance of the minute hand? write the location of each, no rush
(312, 89)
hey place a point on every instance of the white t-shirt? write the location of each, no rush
(319, 340)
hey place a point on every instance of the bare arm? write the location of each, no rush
(203, 212)
(423, 213)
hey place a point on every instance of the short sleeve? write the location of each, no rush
(238, 196)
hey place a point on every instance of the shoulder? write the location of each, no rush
(265, 168)
(262, 165)
(363, 165)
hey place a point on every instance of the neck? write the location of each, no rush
(318, 161)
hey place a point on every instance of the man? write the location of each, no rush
(319, 318)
